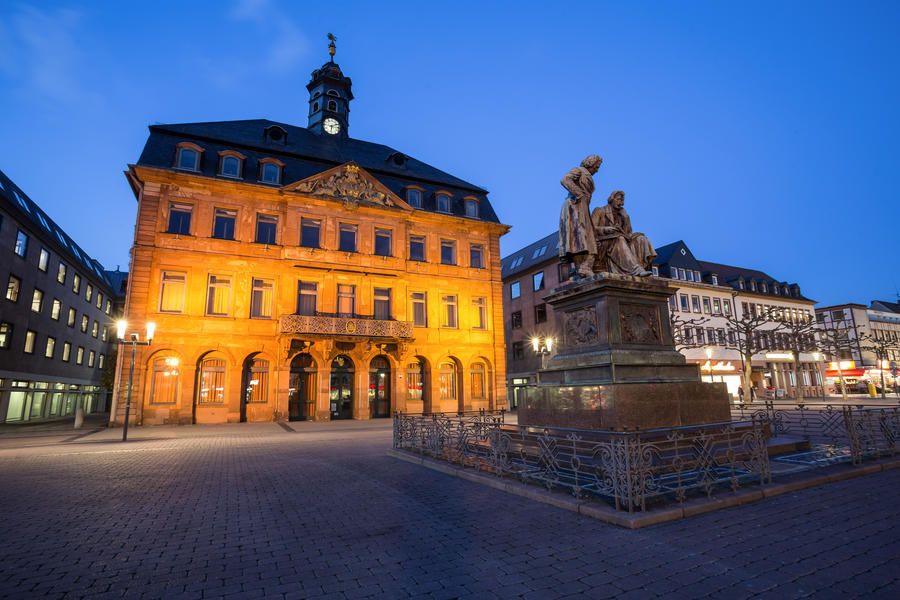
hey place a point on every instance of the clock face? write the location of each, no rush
(331, 126)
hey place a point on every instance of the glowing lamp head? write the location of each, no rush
(151, 331)
(121, 326)
(535, 344)
(549, 342)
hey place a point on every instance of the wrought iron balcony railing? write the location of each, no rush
(358, 325)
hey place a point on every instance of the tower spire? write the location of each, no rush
(331, 47)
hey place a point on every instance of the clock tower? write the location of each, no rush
(329, 99)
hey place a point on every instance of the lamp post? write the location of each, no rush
(133, 340)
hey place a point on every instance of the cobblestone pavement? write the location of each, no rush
(254, 510)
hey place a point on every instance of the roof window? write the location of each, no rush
(231, 164)
(270, 170)
(187, 156)
(443, 202)
(275, 134)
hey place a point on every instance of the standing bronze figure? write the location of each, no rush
(619, 249)
(577, 242)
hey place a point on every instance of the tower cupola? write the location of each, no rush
(329, 98)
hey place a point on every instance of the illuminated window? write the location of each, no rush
(164, 382)
(218, 295)
(717, 306)
(347, 237)
(257, 381)
(443, 203)
(261, 298)
(306, 298)
(447, 381)
(476, 256)
(79, 356)
(266, 226)
(212, 381)
(71, 320)
(448, 252)
(448, 311)
(180, 218)
(30, 337)
(346, 300)
(5, 334)
(104, 334)
(415, 378)
(21, 243)
(382, 303)
(171, 297)
(61, 273)
(419, 309)
(478, 387)
(479, 313)
(88, 292)
(382, 242)
(84, 323)
(91, 356)
(310, 233)
(417, 248)
(99, 300)
(67, 351)
(223, 224)
(51, 346)
(514, 290)
(108, 307)
(706, 306)
(414, 197)
(101, 361)
(12, 288)
(44, 260)
(726, 304)
(95, 330)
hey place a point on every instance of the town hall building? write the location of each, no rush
(298, 273)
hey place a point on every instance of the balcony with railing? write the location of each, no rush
(341, 325)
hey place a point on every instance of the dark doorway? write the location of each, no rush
(379, 388)
(341, 396)
(302, 389)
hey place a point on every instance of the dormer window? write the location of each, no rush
(276, 134)
(741, 283)
(414, 197)
(270, 170)
(231, 164)
(715, 279)
(443, 203)
(765, 288)
(188, 156)
(775, 289)
(471, 207)
(752, 285)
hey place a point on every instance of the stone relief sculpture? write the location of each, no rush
(619, 250)
(348, 185)
(577, 243)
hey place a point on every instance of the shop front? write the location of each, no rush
(728, 372)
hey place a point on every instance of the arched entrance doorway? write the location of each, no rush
(302, 388)
(255, 383)
(341, 397)
(379, 388)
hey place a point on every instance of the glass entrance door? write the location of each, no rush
(341, 397)
(379, 388)
(302, 389)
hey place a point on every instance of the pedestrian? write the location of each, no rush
(741, 394)
(752, 393)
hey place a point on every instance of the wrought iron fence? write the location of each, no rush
(628, 469)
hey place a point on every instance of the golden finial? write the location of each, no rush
(331, 47)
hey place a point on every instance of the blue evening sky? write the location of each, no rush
(763, 134)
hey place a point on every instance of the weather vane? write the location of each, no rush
(331, 47)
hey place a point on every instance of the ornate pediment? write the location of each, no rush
(349, 184)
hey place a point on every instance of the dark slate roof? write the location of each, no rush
(119, 281)
(664, 253)
(65, 246)
(731, 275)
(532, 254)
(886, 306)
(305, 154)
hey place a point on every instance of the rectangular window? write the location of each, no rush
(518, 351)
(71, 320)
(382, 242)
(347, 238)
(681, 274)
(538, 280)
(44, 260)
(108, 306)
(417, 248)
(5, 334)
(91, 356)
(690, 275)
(655, 271)
(479, 313)
(76, 283)
(448, 313)
(562, 272)
(212, 381)
(12, 288)
(61, 273)
(104, 334)
(700, 335)
(261, 298)
(310, 233)
(30, 338)
(55, 309)
(717, 306)
(710, 335)
(448, 252)
(726, 304)
(515, 319)
(99, 300)
(515, 290)
(306, 298)
(706, 307)
(420, 309)
(688, 335)
(346, 300)
(180, 218)
(171, 297)
(223, 224)
(84, 323)
(476, 256)
(540, 312)
(67, 351)
(731, 336)
(37, 300)
(684, 303)
(218, 295)
(95, 329)
(21, 243)
(382, 302)
(266, 226)
(88, 292)
(101, 360)
(720, 336)
(673, 304)
(695, 303)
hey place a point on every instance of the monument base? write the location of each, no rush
(620, 406)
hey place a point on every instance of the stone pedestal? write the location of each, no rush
(616, 365)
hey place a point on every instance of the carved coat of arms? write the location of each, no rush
(346, 184)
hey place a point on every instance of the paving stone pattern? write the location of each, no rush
(254, 511)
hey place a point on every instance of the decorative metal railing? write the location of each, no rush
(873, 432)
(628, 469)
(336, 325)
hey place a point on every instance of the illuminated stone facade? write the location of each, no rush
(296, 273)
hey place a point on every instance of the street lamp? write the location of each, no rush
(542, 345)
(133, 340)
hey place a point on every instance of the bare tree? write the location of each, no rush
(836, 343)
(682, 331)
(880, 346)
(796, 335)
(748, 334)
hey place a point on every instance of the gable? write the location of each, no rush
(350, 184)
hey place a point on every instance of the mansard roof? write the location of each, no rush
(532, 254)
(305, 154)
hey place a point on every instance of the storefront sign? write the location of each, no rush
(842, 365)
(722, 366)
(779, 355)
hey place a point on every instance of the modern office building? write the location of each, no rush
(56, 316)
(298, 273)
